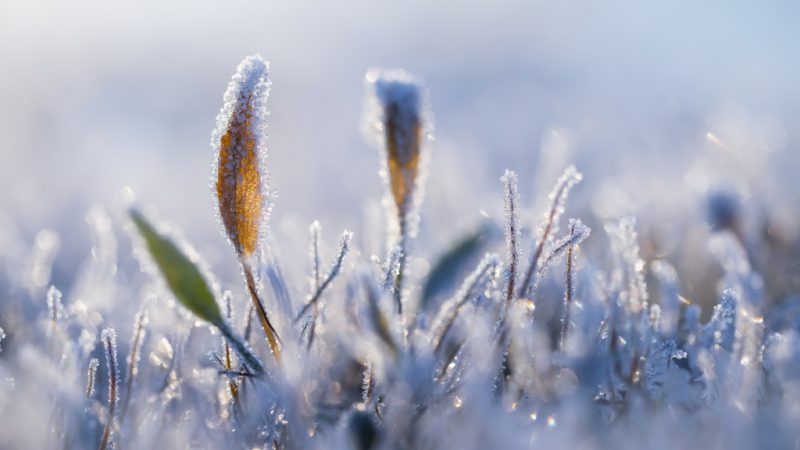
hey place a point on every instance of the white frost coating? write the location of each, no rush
(54, 307)
(250, 82)
(579, 234)
(336, 267)
(512, 233)
(718, 333)
(406, 96)
(109, 339)
(558, 200)
(549, 226)
(2, 336)
(315, 230)
(471, 288)
(624, 243)
(511, 229)
(401, 90)
(91, 377)
(658, 365)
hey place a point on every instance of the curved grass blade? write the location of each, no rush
(189, 286)
(181, 273)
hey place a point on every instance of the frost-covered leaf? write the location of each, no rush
(239, 141)
(396, 112)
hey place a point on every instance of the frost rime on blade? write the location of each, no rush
(239, 141)
(55, 308)
(512, 233)
(549, 226)
(624, 242)
(240, 174)
(109, 339)
(397, 114)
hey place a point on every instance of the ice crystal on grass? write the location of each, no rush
(91, 376)
(139, 334)
(54, 307)
(549, 226)
(109, 339)
(577, 233)
(336, 267)
(661, 364)
(512, 233)
(630, 270)
(719, 333)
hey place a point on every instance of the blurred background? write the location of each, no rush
(685, 114)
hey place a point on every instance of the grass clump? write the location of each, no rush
(375, 356)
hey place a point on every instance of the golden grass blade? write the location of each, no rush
(240, 175)
(240, 179)
(397, 112)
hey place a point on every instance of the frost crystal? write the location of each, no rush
(719, 332)
(2, 336)
(658, 365)
(558, 201)
(549, 226)
(91, 377)
(624, 243)
(315, 231)
(54, 307)
(139, 332)
(109, 339)
(578, 233)
(336, 267)
(511, 201)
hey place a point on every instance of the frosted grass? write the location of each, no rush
(591, 353)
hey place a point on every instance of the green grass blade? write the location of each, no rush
(182, 275)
